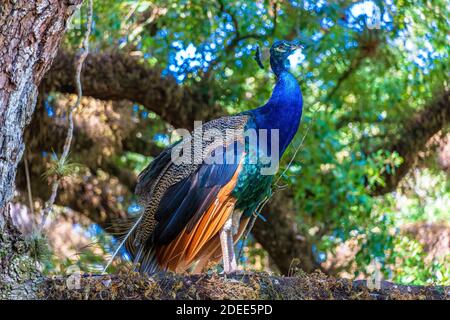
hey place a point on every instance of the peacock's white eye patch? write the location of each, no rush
(280, 49)
(296, 58)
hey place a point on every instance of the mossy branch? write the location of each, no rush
(253, 286)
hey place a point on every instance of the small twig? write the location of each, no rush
(238, 36)
(297, 149)
(233, 17)
(275, 16)
(27, 176)
(344, 76)
(79, 61)
(251, 223)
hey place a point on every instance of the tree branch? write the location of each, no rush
(252, 286)
(414, 136)
(237, 34)
(117, 76)
(280, 236)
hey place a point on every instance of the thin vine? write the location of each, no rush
(63, 160)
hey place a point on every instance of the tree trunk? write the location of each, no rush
(30, 33)
(288, 248)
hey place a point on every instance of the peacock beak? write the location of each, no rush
(296, 46)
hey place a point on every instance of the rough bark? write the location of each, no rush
(30, 33)
(252, 286)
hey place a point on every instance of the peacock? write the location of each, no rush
(194, 212)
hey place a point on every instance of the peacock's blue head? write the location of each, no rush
(279, 53)
(282, 49)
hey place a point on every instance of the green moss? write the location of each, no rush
(257, 286)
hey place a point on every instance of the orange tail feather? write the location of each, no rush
(179, 254)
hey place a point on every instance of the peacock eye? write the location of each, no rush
(280, 48)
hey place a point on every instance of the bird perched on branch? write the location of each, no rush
(199, 194)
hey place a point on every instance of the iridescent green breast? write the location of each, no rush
(253, 185)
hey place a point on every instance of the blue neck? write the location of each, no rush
(277, 65)
(283, 111)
